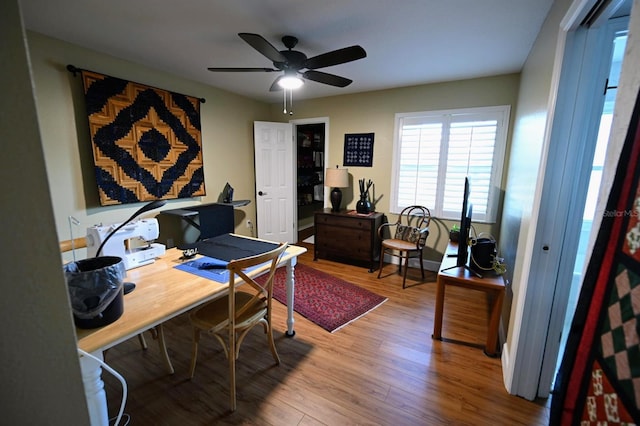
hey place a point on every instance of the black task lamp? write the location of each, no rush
(128, 287)
(336, 178)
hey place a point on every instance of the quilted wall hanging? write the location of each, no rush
(358, 149)
(146, 141)
(598, 382)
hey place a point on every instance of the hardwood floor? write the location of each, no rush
(383, 369)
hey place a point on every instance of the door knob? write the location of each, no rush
(262, 193)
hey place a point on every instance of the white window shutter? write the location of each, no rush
(435, 151)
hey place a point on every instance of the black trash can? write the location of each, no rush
(96, 290)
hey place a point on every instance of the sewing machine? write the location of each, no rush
(132, 242)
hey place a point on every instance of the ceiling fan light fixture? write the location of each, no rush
(290, 82)
(294, 63)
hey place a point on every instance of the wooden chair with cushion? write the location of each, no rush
(230, 317)
(157, 332)
(408, 236)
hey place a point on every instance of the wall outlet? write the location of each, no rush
(249, 224)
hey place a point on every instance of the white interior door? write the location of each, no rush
(586, 64)
(607, 43)
(275, 183)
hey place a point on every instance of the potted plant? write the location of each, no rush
(454, 233)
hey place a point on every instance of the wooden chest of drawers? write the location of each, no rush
(348, 237)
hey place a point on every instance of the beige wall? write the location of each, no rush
(227, 134)
(375, 112)
(39, 367)
(227, 145)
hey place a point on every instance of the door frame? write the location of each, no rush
(300, 122)
(547, 293)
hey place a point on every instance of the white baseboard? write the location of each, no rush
(429, 265)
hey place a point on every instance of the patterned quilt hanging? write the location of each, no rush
(146, 141)
(599, 379)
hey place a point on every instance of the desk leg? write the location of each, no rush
(94, 389)
(494, 324)
(290, 299)
(437, 320)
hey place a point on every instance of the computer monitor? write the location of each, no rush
(462, 255)
(465, 225)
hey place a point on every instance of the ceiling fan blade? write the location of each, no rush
(242, 69)
(325, 78)
(263, 46)
(340, 56)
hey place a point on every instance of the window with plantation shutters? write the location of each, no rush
(434, 151)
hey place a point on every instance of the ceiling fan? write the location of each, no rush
(295, 64)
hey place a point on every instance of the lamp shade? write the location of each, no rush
(337, 178)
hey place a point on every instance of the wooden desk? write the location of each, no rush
(162, 292)
(462, 277)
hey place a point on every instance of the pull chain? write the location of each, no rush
(284, 111)
(290, 101)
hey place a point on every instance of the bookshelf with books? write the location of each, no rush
(310, 140)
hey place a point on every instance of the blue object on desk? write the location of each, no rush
(204, 267)
(209, 268)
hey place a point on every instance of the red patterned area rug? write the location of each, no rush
(324, 299)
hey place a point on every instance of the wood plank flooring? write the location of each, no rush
(383, 369)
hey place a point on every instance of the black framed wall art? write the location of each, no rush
(358, 149)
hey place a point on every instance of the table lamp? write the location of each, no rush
(336, 178)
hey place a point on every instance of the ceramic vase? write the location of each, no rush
(363, 205)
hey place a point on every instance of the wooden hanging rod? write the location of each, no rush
(75, 70)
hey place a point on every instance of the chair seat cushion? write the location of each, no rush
(396, 244)
(214, 315)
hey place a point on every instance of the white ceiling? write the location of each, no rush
(408, 42)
